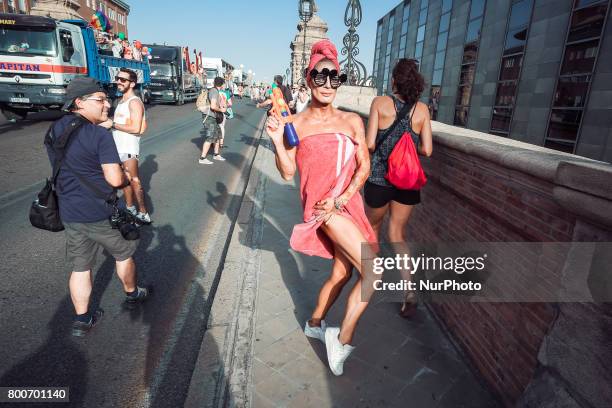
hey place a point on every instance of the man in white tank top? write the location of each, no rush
(129, 123)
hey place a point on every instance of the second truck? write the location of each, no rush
(171, 79)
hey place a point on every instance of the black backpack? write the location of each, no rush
(44, 212)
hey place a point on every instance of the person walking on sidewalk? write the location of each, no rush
(211, 131)
(89, 161)
(381, 196)
(333, 162)
(128, 124)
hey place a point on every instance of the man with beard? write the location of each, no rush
(128, 124)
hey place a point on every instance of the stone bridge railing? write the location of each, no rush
(491, 189)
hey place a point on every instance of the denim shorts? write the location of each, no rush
(84, 240)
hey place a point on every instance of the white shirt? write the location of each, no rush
(125, 142)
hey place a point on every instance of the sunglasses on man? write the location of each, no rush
(320, 77)
(122, 79)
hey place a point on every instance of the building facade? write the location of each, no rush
(308, 34)
(116, 10)
(539, 71)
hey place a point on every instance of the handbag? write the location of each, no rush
(44, 211)
(404, 170)
(219, 117)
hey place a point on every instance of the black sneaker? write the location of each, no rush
(141, 296)
(80, 329)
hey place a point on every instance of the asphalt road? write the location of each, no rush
(141, 357)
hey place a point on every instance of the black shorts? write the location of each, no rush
(378, 196)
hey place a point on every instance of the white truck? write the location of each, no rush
(213, 67)
(39, 56)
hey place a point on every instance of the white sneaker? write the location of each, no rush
(218, 157)
(315, 332)
(132, 210)
(204, 161)
(144, 218)
(337, 353)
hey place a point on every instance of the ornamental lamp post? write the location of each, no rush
(306, 11)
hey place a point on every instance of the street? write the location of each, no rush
(139, 357)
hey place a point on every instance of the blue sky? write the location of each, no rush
(256, 33)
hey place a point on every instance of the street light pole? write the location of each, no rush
(305, 8)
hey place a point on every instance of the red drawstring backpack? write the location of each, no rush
(404, 169)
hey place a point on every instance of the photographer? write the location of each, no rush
(90, 168)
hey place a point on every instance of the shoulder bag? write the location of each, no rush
(44, 211)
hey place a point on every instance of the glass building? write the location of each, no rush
(539, 71)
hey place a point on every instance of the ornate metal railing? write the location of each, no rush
(353, 68)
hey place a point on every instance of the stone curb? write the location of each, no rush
(222, 372)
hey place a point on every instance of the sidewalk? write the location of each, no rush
(267, 292)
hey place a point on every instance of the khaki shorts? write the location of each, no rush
(83, 241)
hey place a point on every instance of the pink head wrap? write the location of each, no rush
(321, 50)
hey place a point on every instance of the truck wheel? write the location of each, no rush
(180, 100)
(14, 115)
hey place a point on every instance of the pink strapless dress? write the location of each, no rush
(326, 163)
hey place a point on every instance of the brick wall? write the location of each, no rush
(485, 188)
(492, 189)
(471, 200)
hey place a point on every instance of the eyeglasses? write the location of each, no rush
(93, 98)
(320, 78)
(122, 80)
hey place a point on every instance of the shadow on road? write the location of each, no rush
(146, 171)
(168, 328)
(57, 363)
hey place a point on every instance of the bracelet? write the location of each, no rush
(339, 204)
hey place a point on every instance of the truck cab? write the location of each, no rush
(171, 80)
(39, 56)
(213, 67)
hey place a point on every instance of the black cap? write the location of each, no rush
(80, 86)
(278, 79)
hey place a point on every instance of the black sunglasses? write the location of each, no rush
(320, 78)
(121, 79)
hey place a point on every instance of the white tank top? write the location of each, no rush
(125, 142)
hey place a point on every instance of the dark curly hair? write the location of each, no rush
(409, 83)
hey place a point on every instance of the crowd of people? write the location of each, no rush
(336, 159)
(121, 47)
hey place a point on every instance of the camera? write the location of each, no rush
(125, 222)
